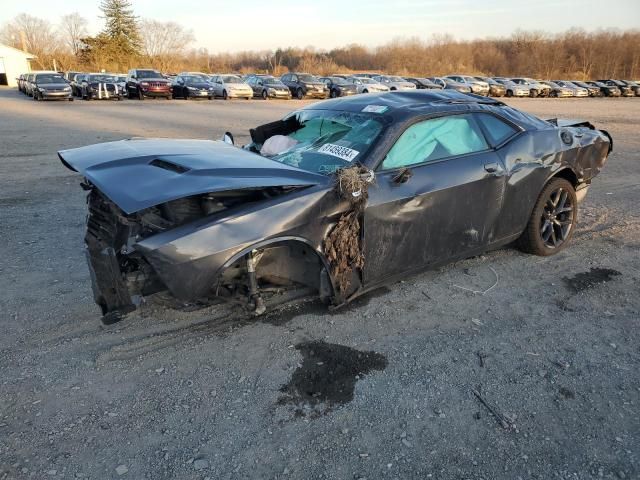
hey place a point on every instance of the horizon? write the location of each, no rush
(369, 23)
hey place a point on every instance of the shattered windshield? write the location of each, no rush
(326, 140)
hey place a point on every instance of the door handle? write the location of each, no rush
(491, 167)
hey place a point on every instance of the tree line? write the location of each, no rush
(128, 41)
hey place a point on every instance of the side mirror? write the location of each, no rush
(228, 138)
(133, 77)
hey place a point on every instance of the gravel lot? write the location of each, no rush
(382, 389)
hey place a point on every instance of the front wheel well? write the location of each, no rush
(568, 175)
(284, 263)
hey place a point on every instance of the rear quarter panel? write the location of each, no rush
(533, 157)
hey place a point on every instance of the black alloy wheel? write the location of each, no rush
(553, 219)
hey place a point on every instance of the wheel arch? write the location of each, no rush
(568, 174)
(288, 240)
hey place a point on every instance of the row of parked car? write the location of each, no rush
(144, 83)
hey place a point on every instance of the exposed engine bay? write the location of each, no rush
(122, 276)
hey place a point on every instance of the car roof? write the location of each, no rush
(403, 105)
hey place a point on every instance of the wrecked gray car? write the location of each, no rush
(335, 200)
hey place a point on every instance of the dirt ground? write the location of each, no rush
(383, 389)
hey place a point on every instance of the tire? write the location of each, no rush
(365, 91)
(225, 96)
(333, 94)
(509, 93)
(210, 98)
(299, 94)
(247, 98)
(70, 99)
(140, 94)
(533, 93)
(265, 95)
(553, 94)
(185, 94)
(554, 216)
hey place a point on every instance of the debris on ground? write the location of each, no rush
(504, 421)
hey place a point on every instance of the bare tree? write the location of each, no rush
(72, 29)
(34, 35)
(162, 42)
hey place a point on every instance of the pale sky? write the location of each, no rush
(267, 24)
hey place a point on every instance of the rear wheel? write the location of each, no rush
(553, 219)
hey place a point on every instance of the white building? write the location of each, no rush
(13, 62)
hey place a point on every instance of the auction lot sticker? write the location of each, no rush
(339, 151)
(375, 108)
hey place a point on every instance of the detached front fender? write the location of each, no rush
(190, 258)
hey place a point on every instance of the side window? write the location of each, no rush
(294, 78)
(435, 139)
(497, 130)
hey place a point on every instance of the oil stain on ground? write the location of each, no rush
(327, 376)
(595, 276)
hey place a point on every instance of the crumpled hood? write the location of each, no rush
(140, 173)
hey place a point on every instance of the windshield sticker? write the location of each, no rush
(375, 108)
(344, 153)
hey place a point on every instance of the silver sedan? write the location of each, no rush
(367, 85)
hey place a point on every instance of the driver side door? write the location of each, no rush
(437, 196)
